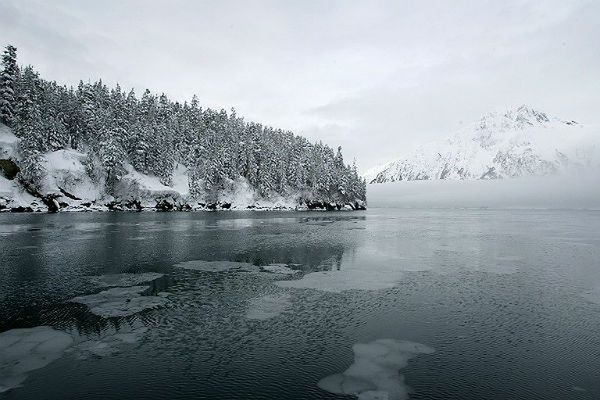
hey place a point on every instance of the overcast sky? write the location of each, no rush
(375, 77)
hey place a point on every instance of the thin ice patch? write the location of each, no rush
(109, 344)
(282, 269)
(217, 266)
(25, 350)
(125, 279)
(268, 306)
(592, 295)
(339, 281)
(374, 373)
(120, 302)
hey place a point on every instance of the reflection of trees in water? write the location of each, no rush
(333, 263)
(306, 258)
(312, 242)
(325, 220)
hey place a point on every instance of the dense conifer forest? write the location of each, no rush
(154, 134)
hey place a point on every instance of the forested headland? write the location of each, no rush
(124, 140)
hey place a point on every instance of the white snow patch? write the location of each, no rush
(120, 302)
(12, 195)
(342, 280)
(374, 373)
(281, 269)
(8, 143)
(217, 266)
(25, 350)
(180, 180)
(65, 170)
(268, 306)
(68, 160)
(126, 279)
(146, 188)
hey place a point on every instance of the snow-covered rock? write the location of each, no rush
(519, 142)
(14, 197)
(66, 176)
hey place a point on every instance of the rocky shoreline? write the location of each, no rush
(67, 186)
(54, 204)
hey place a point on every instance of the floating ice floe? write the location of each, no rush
(374, 373)
(25, 350)
(282, 269)
(126, 279)
(120, 301)
(217, 266)
(339, 281)
(109, 344)
(592, 295)
(268, 306)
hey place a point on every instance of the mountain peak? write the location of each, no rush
(525, 113)
(517, 142)
(518, 118)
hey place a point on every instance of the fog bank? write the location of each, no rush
(574, 191)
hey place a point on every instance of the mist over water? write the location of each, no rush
(565, 191)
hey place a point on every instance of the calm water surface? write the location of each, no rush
(500, 296)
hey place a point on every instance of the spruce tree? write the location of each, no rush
(153, 134)
(8, 79)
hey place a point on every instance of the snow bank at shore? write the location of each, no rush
(67, 186)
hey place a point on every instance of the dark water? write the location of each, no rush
(497, 294)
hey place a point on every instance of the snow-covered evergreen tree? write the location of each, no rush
(153, 134)
(8, 79)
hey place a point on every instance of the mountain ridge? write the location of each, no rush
(518, 142)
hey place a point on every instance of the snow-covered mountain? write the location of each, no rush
(519, 142)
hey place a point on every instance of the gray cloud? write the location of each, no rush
(375, 77)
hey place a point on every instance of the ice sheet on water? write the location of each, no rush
(339, 281)
(25, 350)
(268, 306)
(111, 343)
(592, 295)
(217, 266)
(282, 269)
(126, 279)
(374, 373)
(120, 302)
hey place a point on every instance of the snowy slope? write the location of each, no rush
(519, 142)
(8, 143)
(74, 180)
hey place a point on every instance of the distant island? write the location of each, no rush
(98, 148)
